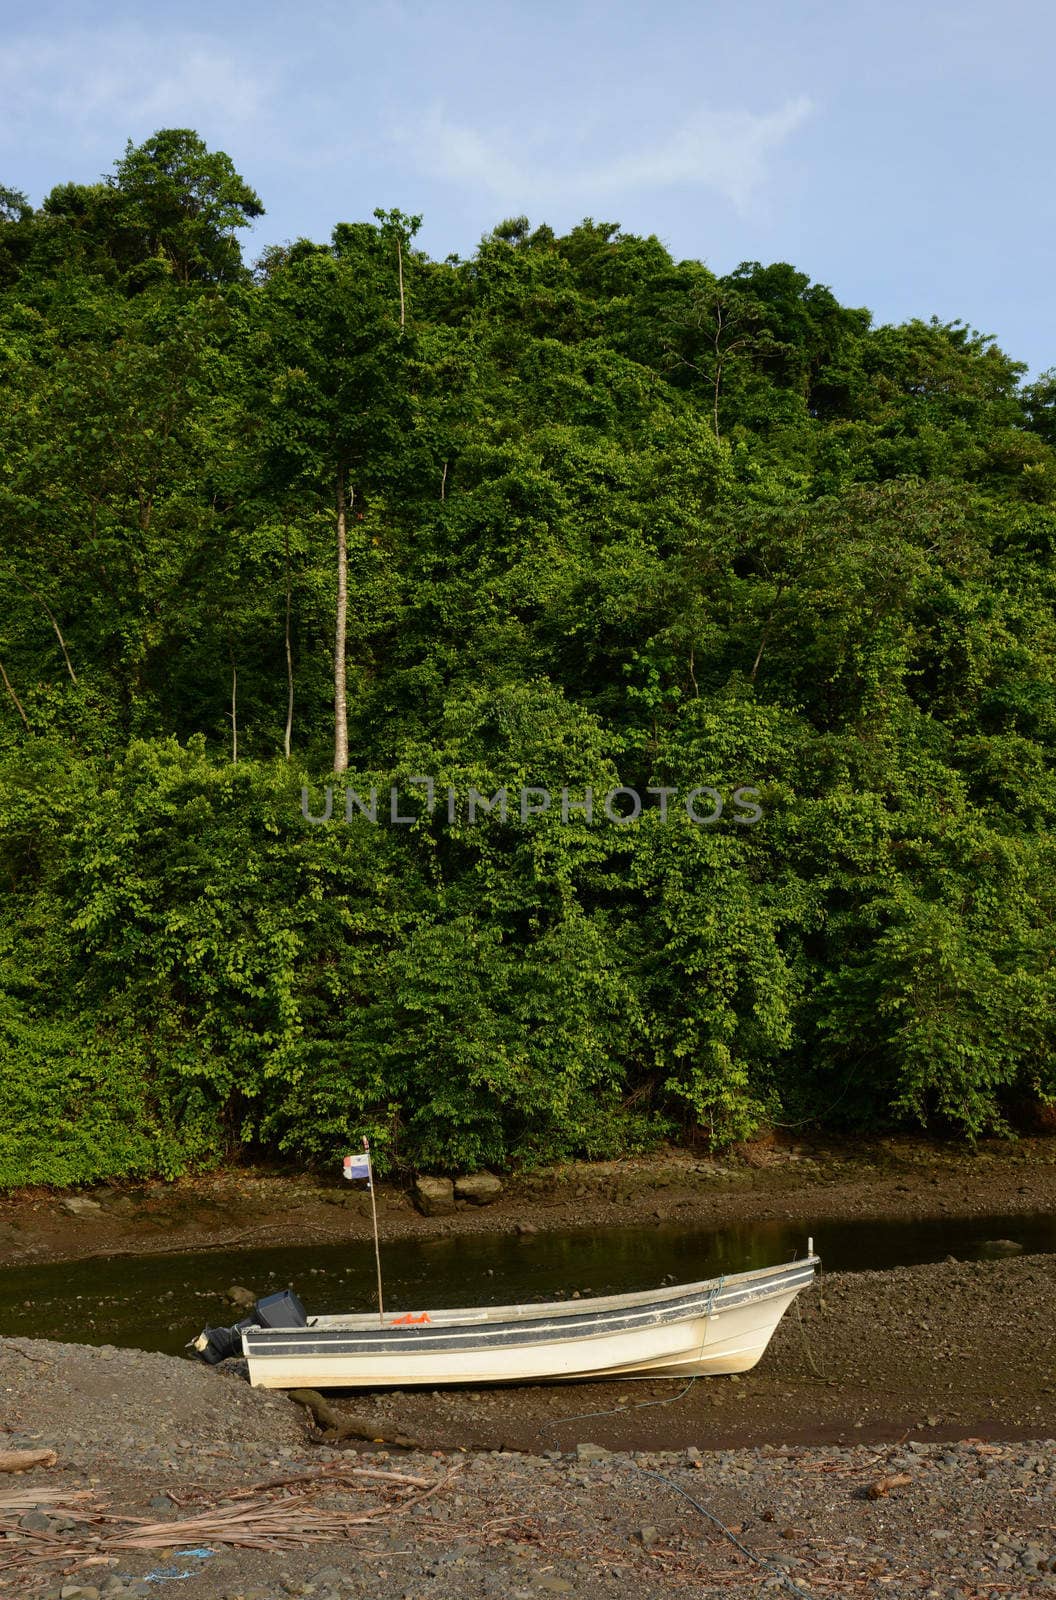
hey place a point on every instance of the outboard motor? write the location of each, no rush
(280, 1310)
(214, 1345)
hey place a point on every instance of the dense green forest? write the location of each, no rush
(568, 514)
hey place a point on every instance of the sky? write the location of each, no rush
(900, 153)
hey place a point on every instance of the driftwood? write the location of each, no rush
(25, 1460)
(45, 1494)
(282, 1522)
(337, 1472)
(883, 1486)
(340, 1425)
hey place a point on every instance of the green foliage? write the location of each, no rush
(615, 521)
(170, 209)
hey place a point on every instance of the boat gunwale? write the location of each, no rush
(555, 1321)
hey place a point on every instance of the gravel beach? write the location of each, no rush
(897, 1440)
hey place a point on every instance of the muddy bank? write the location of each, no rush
(823, 1181)
(938, 1352)
(946, 1371)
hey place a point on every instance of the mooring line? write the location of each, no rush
(760, 1561)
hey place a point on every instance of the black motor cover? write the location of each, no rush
(280, 1310)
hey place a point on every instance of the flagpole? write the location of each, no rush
(374, 1213)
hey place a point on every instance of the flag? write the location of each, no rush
(357, 1167)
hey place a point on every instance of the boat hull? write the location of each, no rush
(720, 1326)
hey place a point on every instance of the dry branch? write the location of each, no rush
(276, 1523)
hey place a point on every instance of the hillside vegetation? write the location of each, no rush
(587, 517)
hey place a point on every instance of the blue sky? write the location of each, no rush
(900, 153)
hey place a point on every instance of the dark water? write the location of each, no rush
(159, 1302)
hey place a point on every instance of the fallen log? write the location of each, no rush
(26, 1460)
(341, 1425)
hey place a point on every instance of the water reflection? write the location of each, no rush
(159, 1302)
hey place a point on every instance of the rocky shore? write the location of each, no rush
(823, 1181)
(898, 1440)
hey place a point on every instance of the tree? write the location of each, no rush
(171, 205)
(339, 368)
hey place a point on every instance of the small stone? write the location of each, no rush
(36, 1522)
(241, 1297)
(79, 1206)
(591, 1452)
(647, 1536)
(331, 1578)
(550, 1583)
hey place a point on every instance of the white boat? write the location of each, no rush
(721, 1325)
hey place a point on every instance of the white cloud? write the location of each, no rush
(727, 151)
(124, 79)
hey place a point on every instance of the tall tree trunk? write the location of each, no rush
(51, 618)
(234, 708)
(14, 696)
(288, 739)
(340, 696)
(718, 371)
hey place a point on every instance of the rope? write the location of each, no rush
(644, 1405)
(760, 1561)
(803, 1332)
(620, 1411)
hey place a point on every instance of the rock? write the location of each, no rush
(480, 1188)
(525, 1228)
(78, 1206)
(37, 1522)
(434, 1197)
(243, 1298)
(591, 1452)
(647, 1536)
(996, 1249)
(550, 1583)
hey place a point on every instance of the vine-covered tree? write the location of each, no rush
(568, 515)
